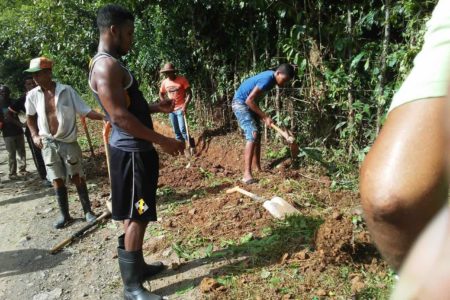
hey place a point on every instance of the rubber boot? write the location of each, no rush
(61, 197)
(85, 203)
(130, 269)
(148, 270)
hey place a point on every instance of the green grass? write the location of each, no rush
(185, 289)
(155, 229)
(84, 144)
(165, 191)
(193, 247)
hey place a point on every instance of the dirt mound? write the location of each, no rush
(334, 240)
(225, 217)
(179, 176)
(218, 146)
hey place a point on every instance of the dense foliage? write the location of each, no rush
(351, 55)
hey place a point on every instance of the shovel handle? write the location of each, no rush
(105, 133)
(61, 245)
(186, 125)
(288, 138)
(80, 232)
(88, 136)
(246, 193)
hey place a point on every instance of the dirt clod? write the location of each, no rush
(337, 215)
(321, 292)
(334, 241)
(302, 255)
(208, 285)
(357, 284)
(284, 258)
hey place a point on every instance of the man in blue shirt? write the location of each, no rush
(246, 109)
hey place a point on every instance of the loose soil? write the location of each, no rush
(217, 245)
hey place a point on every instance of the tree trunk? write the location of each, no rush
(382, 78)
(277, 103)
(252, 44)
(266, 103)
(350, 116)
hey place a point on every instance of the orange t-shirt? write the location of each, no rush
(176, 90)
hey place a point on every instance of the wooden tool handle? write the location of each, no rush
(246, 193)
(61, 245)
(67, 241)
(88, 136)
(280, 131)
(186, 125)
(285, 134)
(106, 132)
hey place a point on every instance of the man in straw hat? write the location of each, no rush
(176, 87)
(51, 110)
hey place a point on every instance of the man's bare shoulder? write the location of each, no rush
(107, 67)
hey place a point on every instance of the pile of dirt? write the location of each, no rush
(334, 240)
(217, 146)
(179, 176)
(224, 217)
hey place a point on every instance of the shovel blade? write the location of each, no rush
(295, 150)
(191, 142)
(279, 208)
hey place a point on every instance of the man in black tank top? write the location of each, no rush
(133, 160)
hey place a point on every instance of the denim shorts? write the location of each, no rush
(248, 121)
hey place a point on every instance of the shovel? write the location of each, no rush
(80, 232)
(105, 133)
(290, 139)
(88, 136)
(277, 207)
(190, 139)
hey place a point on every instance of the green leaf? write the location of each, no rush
(357, 59)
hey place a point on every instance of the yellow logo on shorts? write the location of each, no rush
(141, 206)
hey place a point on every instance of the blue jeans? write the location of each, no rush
(248, 121)
(179, 128)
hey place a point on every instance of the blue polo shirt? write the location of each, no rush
(265, 81)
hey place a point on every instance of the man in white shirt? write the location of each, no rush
(51, 110)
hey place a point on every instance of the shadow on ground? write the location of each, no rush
(207, 136)
(174, 196)
(290, 236)
(29, 197)
(17, 262)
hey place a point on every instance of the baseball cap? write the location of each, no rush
(39, 63)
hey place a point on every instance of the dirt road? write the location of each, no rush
(27, 270)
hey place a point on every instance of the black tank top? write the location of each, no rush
(136, 104)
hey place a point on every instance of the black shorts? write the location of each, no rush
(134, 180)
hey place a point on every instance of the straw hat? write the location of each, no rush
(168, 67)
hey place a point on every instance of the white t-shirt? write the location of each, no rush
(68, 105)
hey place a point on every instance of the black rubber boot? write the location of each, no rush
(61, 197)
(85, 203)
(129, 263)
(148, 270)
